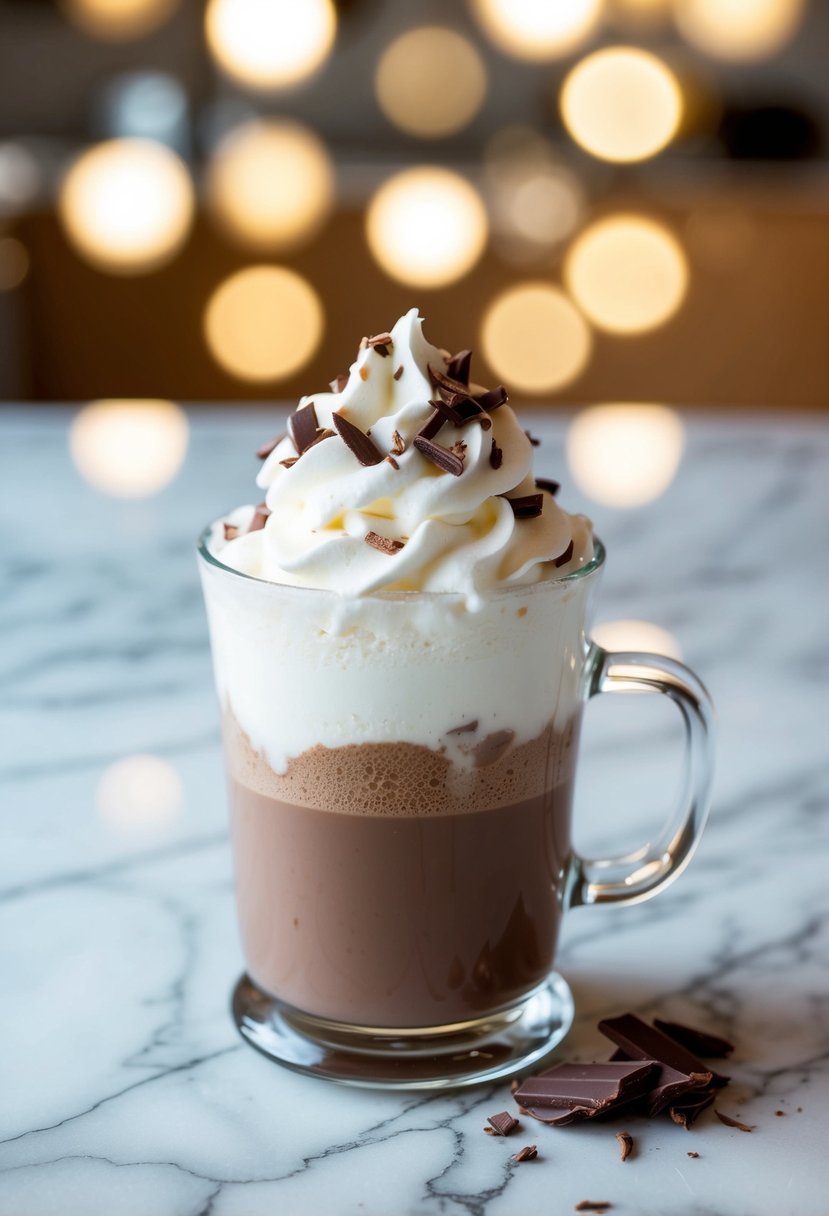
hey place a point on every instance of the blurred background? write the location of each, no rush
(610, 200)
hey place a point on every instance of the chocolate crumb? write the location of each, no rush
(231, 532)
(496, 455)
(536, 443)
(398, 443)
(526, 506)
(625, 1145)
(260, 514)
(398, 373)
(459, 448)
(564, 558)
(490, 1131)
(800, 1110)
(777, 1112)
(364, 373)
(289, 462)
(729, 1122)
(445, 460)
(503, 1123)
(265, 450)
(303, 427)
(692, 1154)
(468, 728)
(592, 1205)
(385, 544)
(357, 441)
(527, 1153)
(339, 382)
(522, 611)
(552, 487)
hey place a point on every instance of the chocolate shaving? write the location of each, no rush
(692, 1154)
(289, 462)
(503, 1123)
(323, 432)
(535, 442)
(564, 558)
(526, 506)
(231, 531)
(468, 728)
(260, 514)
(432, 425)
(264, 452)
(398, 373)
(380, 343)
(303, 427)
(357, 441)
(458, 366)
(592, 1205)
(625, 1145)
(700, 1042)
(687, 1109)
(447, 384)
(398, 443)
(552, 487)
(496, 455)
(440, 456)
(729, 1122)
(390, 460)
(385, 544)
(527, 1153)
(493, 398)
(339, 382)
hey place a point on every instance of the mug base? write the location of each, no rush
(441, 1057)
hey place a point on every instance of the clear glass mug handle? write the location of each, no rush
(639, 875)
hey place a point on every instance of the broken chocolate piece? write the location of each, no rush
(467, 728)
(265, 450)
(260, 514)
(357, 441)
(564, 558)
(339, 382)
(640, 1041)
(398, 373)
(625, 1145)
(526, 506)
(700, 1042)
(440, 456)
(552, 487)
(527, 1153)
(385, 544)
(303, 427)
(593, 1089)
(231, 531)
(503, 1123)
(729, 1122)
(687, 1109)
(496, 455)
(458, 366)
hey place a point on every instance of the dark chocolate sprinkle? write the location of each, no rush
(264, 452)
(458, 366)
(526, 506)
(552, 487)
(496, 455)
(357, 441)
(564, 558)
(440, 456)
(399, 372)
(260, 514)
(339, 382)
(503, 1123)
(303, 427)
(385, 544)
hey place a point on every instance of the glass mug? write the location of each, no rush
(401, 773)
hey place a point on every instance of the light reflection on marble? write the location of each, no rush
(123, 1086)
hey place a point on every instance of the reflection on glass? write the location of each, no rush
(129, 448)
(739, 29)
(263, 323)
(270, 44)
(426, 226)
(430, 82)
(625, 455)
(637, 635)
(538, 29)
(127, 205)
(621, 104)
(139, 794)
(534, 339)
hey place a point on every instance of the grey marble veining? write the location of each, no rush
(123, 1086)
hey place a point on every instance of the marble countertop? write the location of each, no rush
(124, 1088)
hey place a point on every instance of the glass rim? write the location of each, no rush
(561, 580)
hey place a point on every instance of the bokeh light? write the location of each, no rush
(127, 205)
(534, 339)
(538, 29)
(263, 323)
(20, 178)
(621, 104)
(637, 635)
(118, 20)
(426, 226)
(628, 273)
(625, 455)
(129, 448)
(739, 29)
(139, 794)
(430, 82)
(270, 44)
(14, 263)
(270, 184)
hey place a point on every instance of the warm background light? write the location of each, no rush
(628, 273)
(117, 20)
(139, 793)
(426, 226)
(637, 635)
(538, 29)
(270, 44)
(129, 448)
(621, 104)
(270, 184)
(625, 455)
(14, 263)
(127, 205)
(534, 339)
(739, 29)
(430, 82)
(263, 323)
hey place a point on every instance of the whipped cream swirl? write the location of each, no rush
(428, 529)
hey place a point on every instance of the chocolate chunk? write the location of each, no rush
(264, 452)
(380, 343)
(592, 1205)
(496, 456)
(398, 444)
(231, 531)
(552, 487)
(527, 1153)
(467, 728)
(688, 1108)
(564, 558)
(440, 456)
(432, 425)
(357, 441)
(303, 427)
(493, 747)
(260, 514)
(385, 544)
(729, 1122)
(639, 1041)
(585, 1090)
(503, 1123)
(398, 373)
(625, 1145)
(526, 506)
(458, 366)
(492, 399)
(700, 1042)
(289, 462)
